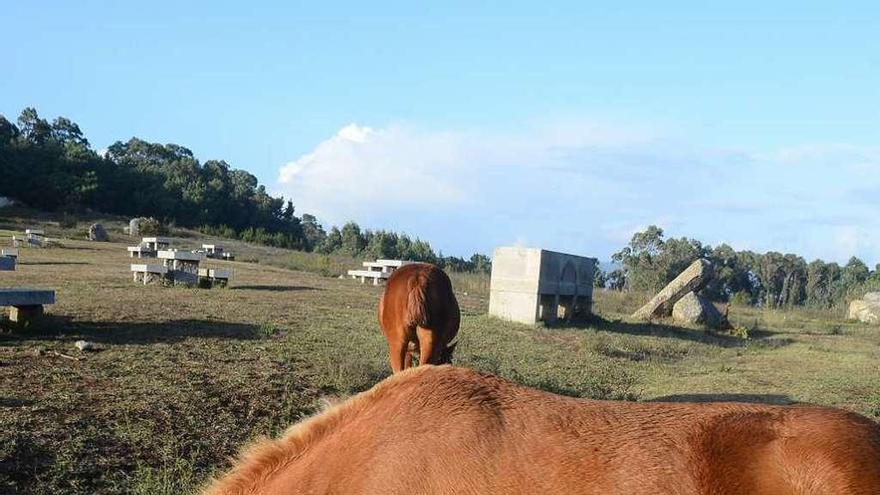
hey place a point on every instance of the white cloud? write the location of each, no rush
(585, 187)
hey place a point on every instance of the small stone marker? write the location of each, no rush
(84, 345)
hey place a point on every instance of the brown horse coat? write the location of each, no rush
(445, 430)
(418, 313)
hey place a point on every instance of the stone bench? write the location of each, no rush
(156, 243)
(30, 241)
(210, 277)
(363, 275)
(183, 266)
(141, 252)
(26, 304)
(148, 273)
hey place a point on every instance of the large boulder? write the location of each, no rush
(692, 279)
(864, 310)
(97, 233)
(693, 309)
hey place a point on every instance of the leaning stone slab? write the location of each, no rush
(692, 279)
(693, 309)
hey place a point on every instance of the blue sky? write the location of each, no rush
(567, 126)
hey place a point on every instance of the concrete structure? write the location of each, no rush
(7, 263)
(141, 252)
(377, 270)
(148, 273)
(33, 238)
(363, 275)
(27, 304)
(183, 266)
(211, 277)
(9, 252)
(216, 251)
(212, 250)
(531, 285)
(156, 243)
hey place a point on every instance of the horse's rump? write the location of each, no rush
(444, 430)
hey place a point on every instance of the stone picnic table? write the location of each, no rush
(182, 265)
(148, 273)
(377, 270)
(209, 277)
(25, 304)
(156, 243)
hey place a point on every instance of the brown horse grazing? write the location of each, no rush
(445, 430)
(419, 314)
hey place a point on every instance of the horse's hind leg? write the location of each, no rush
(399, 355)
(427, 345)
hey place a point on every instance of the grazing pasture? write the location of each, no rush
(183, 378)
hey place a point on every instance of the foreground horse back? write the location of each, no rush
(418, 313)
(445, 430)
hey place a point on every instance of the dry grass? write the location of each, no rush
(186, 376)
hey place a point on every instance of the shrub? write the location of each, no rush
(67, 221)
(151, 226)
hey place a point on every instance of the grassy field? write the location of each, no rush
(184, 377)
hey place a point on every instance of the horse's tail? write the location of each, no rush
(416, 304)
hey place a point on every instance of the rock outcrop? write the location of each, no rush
(866, 310)
(97, 233)
(693, 309)
(692, 279)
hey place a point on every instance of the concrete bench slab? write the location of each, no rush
(9, 252)
(35, 232)
(215, 273)
(141, 252)
(148, 273)
(162, 270)
(156, 240)
(363, 275)
(179, 255)
(26, 297)
(394, 263)
(210, 277)
(7, 264)
(27, 304)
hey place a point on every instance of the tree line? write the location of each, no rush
(53, 167)
(770, 279)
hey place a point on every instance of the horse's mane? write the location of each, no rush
(265, 457)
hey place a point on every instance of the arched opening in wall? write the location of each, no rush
(568, 296)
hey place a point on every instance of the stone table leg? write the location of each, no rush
(25, 314)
